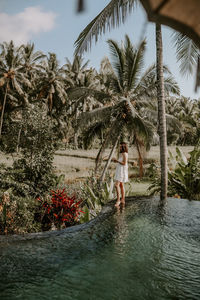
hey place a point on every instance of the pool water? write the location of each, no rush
(139, 252)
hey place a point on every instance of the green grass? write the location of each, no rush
(139, 188)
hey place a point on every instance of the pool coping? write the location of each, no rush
(107, 209)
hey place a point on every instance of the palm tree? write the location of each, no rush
(161, 114)
(83, 83)
(187, 112)
(12, 78)
(52, 85)
(83, 90)
(31, 60)
(126, 81)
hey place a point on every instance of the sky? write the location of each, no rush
(54, 25)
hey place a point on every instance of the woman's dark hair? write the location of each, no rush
(123, 147)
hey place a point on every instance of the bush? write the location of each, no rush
(183, 176)
(17, 214)
(33, 173)
(59, 210)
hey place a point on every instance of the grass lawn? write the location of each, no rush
(139, 188)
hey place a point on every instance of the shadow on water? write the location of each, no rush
(137, 252)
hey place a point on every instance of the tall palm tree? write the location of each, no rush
(161, 114)
(126, 81)
(12, 78)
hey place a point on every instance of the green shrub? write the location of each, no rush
(33, 173)
(17, 214)
(183, 175)
(95, 195)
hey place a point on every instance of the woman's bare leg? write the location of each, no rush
(122, 192)
(117, 186)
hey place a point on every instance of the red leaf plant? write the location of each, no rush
(60, 209)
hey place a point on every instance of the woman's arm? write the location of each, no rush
(124, 161)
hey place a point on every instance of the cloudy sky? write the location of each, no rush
(53, 26)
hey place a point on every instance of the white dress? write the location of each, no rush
(121, 173)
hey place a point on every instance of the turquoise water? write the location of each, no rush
(140, 252)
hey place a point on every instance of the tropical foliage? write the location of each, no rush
(187, 130)
(131, 90)
(183, 175)
(59, 210)
(17, 214)
(44, 105)
(32, 173)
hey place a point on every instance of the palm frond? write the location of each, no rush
(136, 124)
(24, 80)
(91, 133)
(99, 114)
(134, 64)
(118, 61)
(187, 53)
(77, 92)
(146, 87)
(146, 83)
(171, 86)
(111, 16)
(17, 87)
(173, 122)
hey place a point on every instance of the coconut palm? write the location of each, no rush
(83, 82)
(31, 60)
(12, 78)
(52, 85)
(186, 110)
(128, 82)
(83, 90)
(161, 114)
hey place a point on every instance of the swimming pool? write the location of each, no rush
(140, 252)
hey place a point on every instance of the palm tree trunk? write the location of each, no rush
(75, 140)
(100, 153)
(3, 108)
(18, 139)
(108, 161)
(103, 148)
(161, 114)
(140, 158)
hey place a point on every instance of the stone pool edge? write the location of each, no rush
(107, 209)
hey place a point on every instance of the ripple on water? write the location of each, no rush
(140, 252)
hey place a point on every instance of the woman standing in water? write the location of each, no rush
(121, 173)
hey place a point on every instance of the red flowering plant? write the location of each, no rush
(60, 209)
